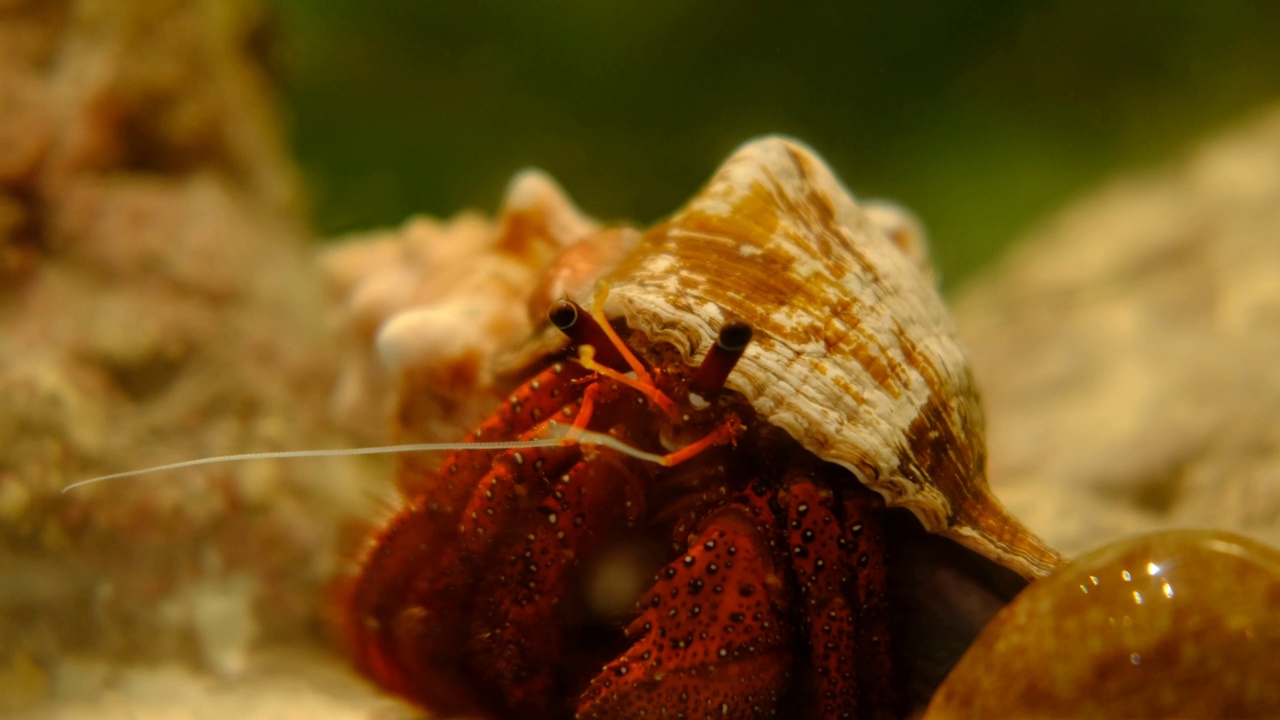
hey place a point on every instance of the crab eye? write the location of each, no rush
(583, 328)
(564, 315)
(734, 337)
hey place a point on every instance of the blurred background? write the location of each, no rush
(982, 117)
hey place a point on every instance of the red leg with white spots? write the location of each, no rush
(837, 554)
(867, 546)
(419, 579)
(517, 639)
(412, 607)
(541, 398)
(712, 638)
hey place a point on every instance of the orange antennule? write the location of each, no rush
(585, 409)
(602, 351)
(586, 358)
(597, 311)
(727, 432)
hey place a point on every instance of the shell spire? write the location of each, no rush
(854, 354)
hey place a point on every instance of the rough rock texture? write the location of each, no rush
(296, 683)
(429, 312)
(157, 303)
(1129, 352)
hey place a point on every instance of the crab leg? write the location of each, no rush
(422, 579)
(864, 536)
(840, 573)
(517, 639)
(711, 638)
(529, 405)
(445, 488)
(417, 578)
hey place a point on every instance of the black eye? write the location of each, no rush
(563, 315)
(735, 337)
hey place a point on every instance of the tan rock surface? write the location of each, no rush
(293, 684)
(1129, 352)
(157, 303)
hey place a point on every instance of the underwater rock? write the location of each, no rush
(428, 311)
(1127, 351)
(1176, 624)
(157, 303)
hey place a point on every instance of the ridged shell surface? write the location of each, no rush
(854, 354)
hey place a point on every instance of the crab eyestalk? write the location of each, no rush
(592, 335)
(709, 378)
(583, 329)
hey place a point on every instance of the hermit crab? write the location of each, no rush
(727, 406)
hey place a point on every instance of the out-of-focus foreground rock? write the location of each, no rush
(157, 303)
(1129, 352)
(1178, 623)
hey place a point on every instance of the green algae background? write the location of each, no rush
(981, 116)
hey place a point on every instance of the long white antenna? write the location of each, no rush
(585, 437)
(291, 454)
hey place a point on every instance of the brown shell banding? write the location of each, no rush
(854, 354)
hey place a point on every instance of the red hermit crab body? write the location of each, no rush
(745, 483)
(477, 603)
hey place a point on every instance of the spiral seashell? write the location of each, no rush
(853, 355)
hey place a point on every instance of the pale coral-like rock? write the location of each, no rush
(430, 309)
(295, 683)
(157, 303)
